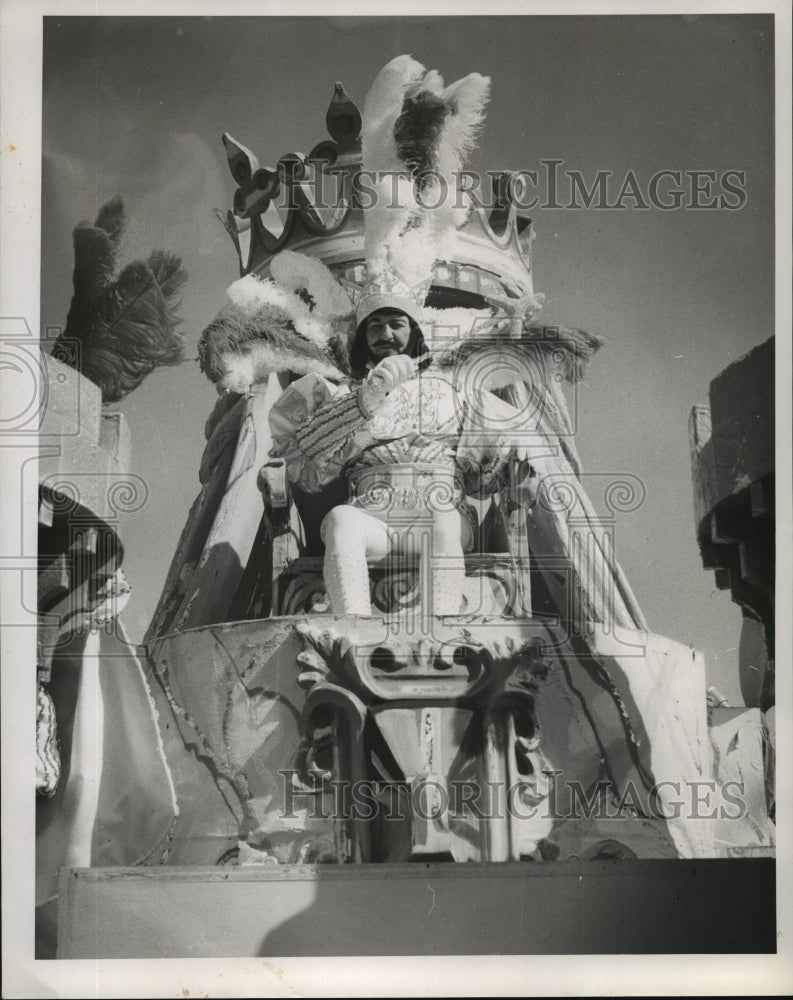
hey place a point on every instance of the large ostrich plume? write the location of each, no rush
(119, 329)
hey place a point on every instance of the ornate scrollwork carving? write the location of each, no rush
(395, 591)
(460, 665)
(323, 652)
(305, 593)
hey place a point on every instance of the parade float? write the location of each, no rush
(504, 727)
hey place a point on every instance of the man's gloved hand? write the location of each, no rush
(382, 379)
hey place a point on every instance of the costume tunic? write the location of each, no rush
(424, 423)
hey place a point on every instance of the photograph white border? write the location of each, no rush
(20, 163)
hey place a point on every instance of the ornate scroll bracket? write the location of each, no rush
(459, 665)
(422, 697)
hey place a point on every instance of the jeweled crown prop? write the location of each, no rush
(381, 215)
(323, 214)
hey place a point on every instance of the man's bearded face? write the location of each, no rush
(387, 333)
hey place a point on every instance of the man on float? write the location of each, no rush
(391, 346)
(394, 432)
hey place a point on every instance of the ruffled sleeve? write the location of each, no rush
(317, 429)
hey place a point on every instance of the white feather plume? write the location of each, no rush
(256, 361)
(296, 271)
(436, 134)
(382, 108)
(469, 97)
(393, 212)
(251, 295)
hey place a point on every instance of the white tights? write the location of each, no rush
(352, 536)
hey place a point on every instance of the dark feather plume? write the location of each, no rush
(418, 130)
(118, 331)
(111, 218)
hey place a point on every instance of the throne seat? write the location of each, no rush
(284, 572)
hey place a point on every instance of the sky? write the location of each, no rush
(137, 106)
